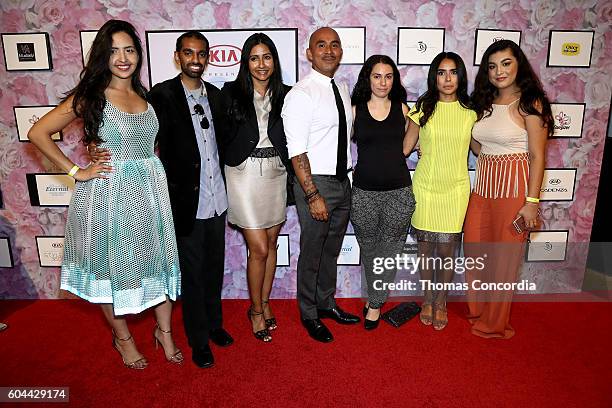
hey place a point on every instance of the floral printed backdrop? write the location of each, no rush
(63, 19)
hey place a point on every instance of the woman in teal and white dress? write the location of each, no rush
(120, 246)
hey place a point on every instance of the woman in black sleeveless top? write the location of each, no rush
(382, 201)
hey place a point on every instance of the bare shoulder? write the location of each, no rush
(537, 104)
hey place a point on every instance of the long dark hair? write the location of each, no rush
(427, 102)
(89, 99)
(244, 81)
(362, 92)
(532, 92)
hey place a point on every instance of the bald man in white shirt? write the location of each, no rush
(317, 118)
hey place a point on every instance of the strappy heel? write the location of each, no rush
(426, 318)
(271, 322)
(440, 323)
(139, 364)
(177, 357)
(264, 334)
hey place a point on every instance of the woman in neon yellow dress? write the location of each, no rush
(442, 122)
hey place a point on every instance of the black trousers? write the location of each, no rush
(320, 244)
(202, 256)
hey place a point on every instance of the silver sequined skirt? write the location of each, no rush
(257, 190)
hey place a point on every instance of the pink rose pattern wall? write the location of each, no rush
(63, 20)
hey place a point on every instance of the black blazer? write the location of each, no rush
(178, 148)
(241, 138)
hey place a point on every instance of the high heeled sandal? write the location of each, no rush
(177, 357)
(139, 364)
(440, 323)
(426, 318)
(271, 322)
(264, 334)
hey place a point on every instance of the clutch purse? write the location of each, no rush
(401, 313)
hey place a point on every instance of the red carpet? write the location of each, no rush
(560, 357)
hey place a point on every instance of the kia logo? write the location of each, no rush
(496, 39)
(224, 55)
(554, 182)
(57, 245)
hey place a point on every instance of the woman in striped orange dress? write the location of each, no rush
(514, 121)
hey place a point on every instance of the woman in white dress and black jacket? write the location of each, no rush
(256, 168)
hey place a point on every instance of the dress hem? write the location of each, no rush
(109, 300)
(254, 228)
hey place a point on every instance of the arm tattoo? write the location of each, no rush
(302, 166)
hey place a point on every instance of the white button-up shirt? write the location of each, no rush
(310, 119)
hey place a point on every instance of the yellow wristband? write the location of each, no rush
(73, 170)
(532, 200)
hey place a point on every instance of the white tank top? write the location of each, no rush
(499, 134)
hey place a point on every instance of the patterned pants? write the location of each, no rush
(380, 220)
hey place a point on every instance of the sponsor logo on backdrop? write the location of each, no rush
(558, 185)
(27, 116)
(50, 250)
(496, 39)
(51, 189)
(554, 182)
(25, 52)
(563, 121)
(33, 119)
(568, 119)
(349, 252)
(350, 47)
(421, 46)
(570, 49)
(224, 55)
(547, 246)
(57, 190)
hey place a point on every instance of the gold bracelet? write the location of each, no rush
(73, 170)
(532, 200)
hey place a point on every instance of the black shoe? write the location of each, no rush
(371, 324)
(203, 357)
(338, 315)
(220, 337)
(317, 330)
(264, 334)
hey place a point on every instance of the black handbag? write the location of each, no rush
(401, 313)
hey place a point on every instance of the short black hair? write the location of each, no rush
(191, 34)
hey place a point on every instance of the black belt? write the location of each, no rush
(263, 152)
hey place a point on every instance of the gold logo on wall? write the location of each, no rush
(570, 49)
